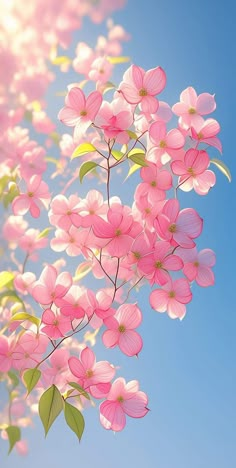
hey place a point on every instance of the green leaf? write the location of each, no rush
(44, 233)
(139, 159)
(14, 379)
(20, 316)
(50, 406)
(80, 389)
(12, 296)
(14, 435)
(31, 378)
(74, 419)
(132, 170)
(136, 151)
(132, 135)
(61, 60)
(116, 60)
(117, 154)
(5, 278)
(223, 168)
(82, 149)
(86, 168)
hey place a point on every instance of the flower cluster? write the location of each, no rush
(49, 318)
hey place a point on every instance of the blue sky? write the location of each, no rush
(187, 368)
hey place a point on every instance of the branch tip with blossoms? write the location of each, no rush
(49, 320)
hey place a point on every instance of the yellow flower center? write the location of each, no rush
(30, 194)
(162, 144)
(200, 135)
(143, 92)
(153, 183)
(137, 255)
(89, 373)
(171, 294)
(191, 171)
(118, 232)
(172, 228)
(196, 264)
(121, 328)
(120, 399)
(158, 264)
(192, 110)
(83, 113)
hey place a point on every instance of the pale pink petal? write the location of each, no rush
(189, 96)
(112, 416)
(182, 291)
(210, 128)
(104, 371)
(34, 210)
(175, 139)
(130, 342)
(75, 99)
(190, 222)
(183, 240)
(207, 257)
(130, 93)
(88, 358)
(175, 309)
(205, 104)
(171, 209)
(213, 141)
(110, 338)
(69, 116)
(136, 407)
(180, 108)
(190, 270)
(21, 205)
(204, 182)
(159, 300)
(137, 75)
(76, 367)
(198, 160)
(157, 132)
(173, 263)
(149, 104)
(154, 81)
(129, 315)
(205, 277)
(93, 104)
(178, 167)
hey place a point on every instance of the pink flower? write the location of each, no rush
(23, 282)
(64, 211)
(139, 86)
(80, 112)
(89, 372)
(155, 182)
(172, 298)
(121, 330)
(206, 132)
(29, 350)
(197, 266)
(117, 233)
(164, 142)
(193, 172)
(156, 264)
(50, 287)
(6, 348)
(191, 107)
(115, 119)
(123, 399)
(37, 194)
(56, 324)
(178, 227)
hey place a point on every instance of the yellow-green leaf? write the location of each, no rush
(5, 278)
(132, 135)
(223, 168)
(80, 389)
(82, 270)
(31, 378)
(44, 233)
(74, 419)
(86, 168)
(104, 87)
(21, 316)
(132, 170)
(50, 406)
(117, 154)
(139, 159)
(135, 151)
(61, 60)
(14, 435)
(82, 149)
(116, 60)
